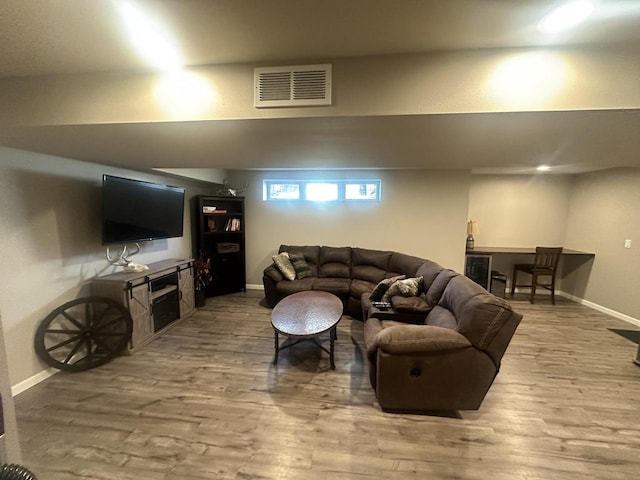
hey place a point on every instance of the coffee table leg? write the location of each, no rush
(332, 336)
(277, 343)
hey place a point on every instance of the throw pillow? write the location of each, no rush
(382, 286)
(303, 270)
(409, 287)
(284, 265)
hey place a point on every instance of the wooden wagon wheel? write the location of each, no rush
(15, 472)
(83, 334)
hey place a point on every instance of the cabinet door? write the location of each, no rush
(187, 296)
(228, 273)
(478, 269)
(140, 309)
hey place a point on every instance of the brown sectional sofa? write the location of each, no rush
(439, 351)
(344, 271)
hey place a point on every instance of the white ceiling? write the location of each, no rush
(79, 36)
(70, 36)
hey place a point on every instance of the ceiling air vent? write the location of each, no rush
(292, 86)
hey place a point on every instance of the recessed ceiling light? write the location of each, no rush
(543, 168)
(149, 37)
(184, 94)
(565, 16)
(528, 79)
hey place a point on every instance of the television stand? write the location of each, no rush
(156, 298)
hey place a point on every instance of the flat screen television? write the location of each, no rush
(137, 211)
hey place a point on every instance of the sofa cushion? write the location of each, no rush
(337, 286)
(360, 287)
(370, 265)
(410, 305)
(300, 265)
(441, 317)
(369, 273)
(334, 270)
(374, 258)
(409, 287)
(435, 291)
(382, 287)
(284, 265)
(287, 288)
(405, 264)
(428, 271)
(335, 262)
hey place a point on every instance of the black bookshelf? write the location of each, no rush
(220, 226)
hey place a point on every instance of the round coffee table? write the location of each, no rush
(306, 316)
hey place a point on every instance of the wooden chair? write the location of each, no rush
(545, 264)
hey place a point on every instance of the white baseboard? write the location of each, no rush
(33, 380)
(539, 291)
(600, 308)
(44, 374)
(586, 303)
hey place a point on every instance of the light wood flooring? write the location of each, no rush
(205, 402)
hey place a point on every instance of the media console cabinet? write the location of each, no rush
(156, 298)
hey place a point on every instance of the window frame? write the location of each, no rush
(302, 184)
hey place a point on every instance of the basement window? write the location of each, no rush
(281, 191)
(362, 190)
(321, 190)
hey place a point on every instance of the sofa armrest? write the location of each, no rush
(372, 327)
(413, 305)
(409, 339)
(270, 278)
(406, 315)
(273, 273)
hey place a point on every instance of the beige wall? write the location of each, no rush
(593, 212)
(50, 244)
(604, 211)
(520, 210)
(451, 82)
(421, 213)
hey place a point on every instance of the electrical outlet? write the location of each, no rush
(627, 243)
